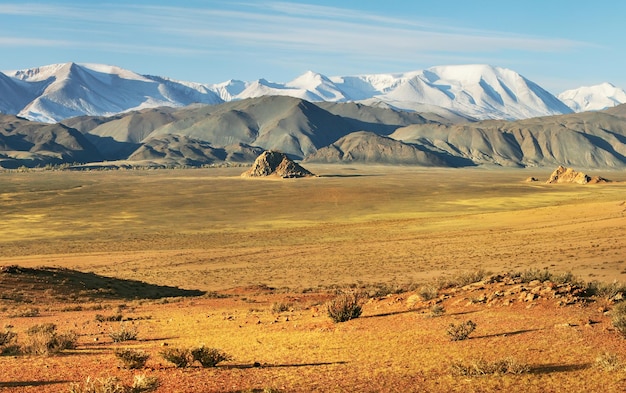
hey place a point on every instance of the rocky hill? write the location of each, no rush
(276, 164)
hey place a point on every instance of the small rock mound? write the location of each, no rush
(569, 175)
(273, 163)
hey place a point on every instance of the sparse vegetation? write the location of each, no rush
(8, 344)
(535, 275)
(344, 307)
(461, 279)
(209, 357)
(44, 340)
(618, 318)
(25, 313)
(428, 292)
(108, 318)
(608, 361)
(124, 333)
(180, 357)
(132, 358)
(614, 290)
(461, 331)
(279, 307)
(482, 367)
(141, 384)
(98, 385)
(437, 310)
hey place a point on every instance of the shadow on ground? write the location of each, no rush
(20, 384)
(67, 284)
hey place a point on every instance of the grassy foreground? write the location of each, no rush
(268, 255)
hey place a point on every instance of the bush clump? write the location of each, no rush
(482, 367)
(461, 331)
(124, 333)
(44, 340)
(8, 344)
(132, 358)
(618, 317)
(141, 384)
(180, 357)
(209, 357)
(344, 307)
(437, 310)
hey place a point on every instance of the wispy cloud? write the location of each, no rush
(291, 27)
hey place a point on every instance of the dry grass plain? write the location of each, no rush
(365, 227)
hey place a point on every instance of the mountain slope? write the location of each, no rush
(287, 124)
(583, 140)
(27, 143)
(369, 148)
(60, 91)
(593, 98)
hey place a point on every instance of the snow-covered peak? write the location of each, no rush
(593, 98)
(54, 92)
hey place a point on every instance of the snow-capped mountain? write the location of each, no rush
(479, 91)
(60, 91)
(593, 98)
(55, 92)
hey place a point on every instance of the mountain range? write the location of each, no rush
(150, 121)
(473, 92)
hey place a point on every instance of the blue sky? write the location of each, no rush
(557, 44)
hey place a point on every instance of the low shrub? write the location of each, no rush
(482, 367)
(7, 337)
(437, 310)
(608, 361)
(536, 274)
(466, 278)
(618, 317)
(99, 385)
(428, 292)
(344, 307)
(108, 318)
(180, 357)
(461, 331)
(44, 340)
(279, 307)
(209, 357)
(141, 384)
(614, 290)
(25, 313)
(124, 333)
(8, 344)
(132, 358)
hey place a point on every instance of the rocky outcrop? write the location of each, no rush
(569, 175)
(277, 164)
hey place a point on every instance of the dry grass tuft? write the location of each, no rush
(180, 357)
(437, 310)
(608, 361)
(618, 317)
(344, 307)
(44, 340)
(209, 357)
(124, 333)
(141, 383)
(461, 331)
(132, 358)
(482, 367)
